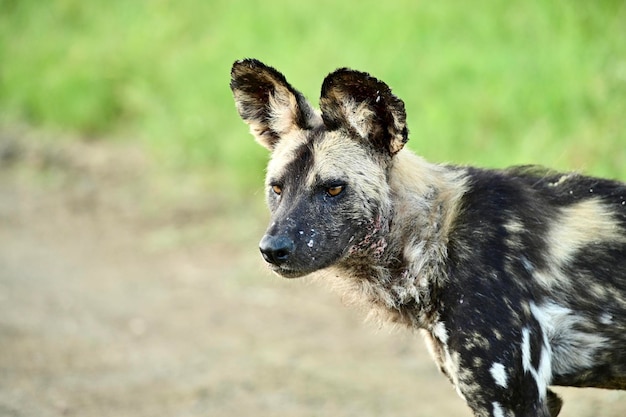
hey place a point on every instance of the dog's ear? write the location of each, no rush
(366, 107)
(267, 102)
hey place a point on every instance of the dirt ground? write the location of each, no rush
(126, 295)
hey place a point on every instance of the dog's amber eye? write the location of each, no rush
(277, 189)
(335, 190)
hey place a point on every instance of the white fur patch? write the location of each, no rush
(606, 318)
(499, 374)
(497, 409)
(561, 180)
(451, 365)
(572, 348)
(528, 266)
(543, 373)
(440, 332)
(526, 349)
(514, 226)
(450, 360)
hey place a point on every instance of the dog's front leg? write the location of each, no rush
(497, 377)
(520, 398)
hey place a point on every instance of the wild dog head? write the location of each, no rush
(327, 179)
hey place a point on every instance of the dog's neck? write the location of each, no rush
(407, 251)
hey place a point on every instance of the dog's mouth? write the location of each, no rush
(290, 260)
(286, 272)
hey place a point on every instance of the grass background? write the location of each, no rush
(488, 82)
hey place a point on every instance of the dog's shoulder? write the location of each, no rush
(530, 188)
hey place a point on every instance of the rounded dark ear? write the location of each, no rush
(366, 107)
(267, 102)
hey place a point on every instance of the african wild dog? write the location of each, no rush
(517, 277)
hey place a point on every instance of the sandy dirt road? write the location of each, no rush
(120, 299)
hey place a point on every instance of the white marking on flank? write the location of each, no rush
(499, 374)
(497, 409)
(543, 373)
(571, 348)
(526, 349)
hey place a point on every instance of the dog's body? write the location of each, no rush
(516, 277)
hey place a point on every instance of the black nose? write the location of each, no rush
(276, 249)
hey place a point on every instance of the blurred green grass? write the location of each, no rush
(488, 82)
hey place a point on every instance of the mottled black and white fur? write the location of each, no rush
(516, 277)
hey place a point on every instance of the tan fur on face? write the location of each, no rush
(340, 158)
(284, 153)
